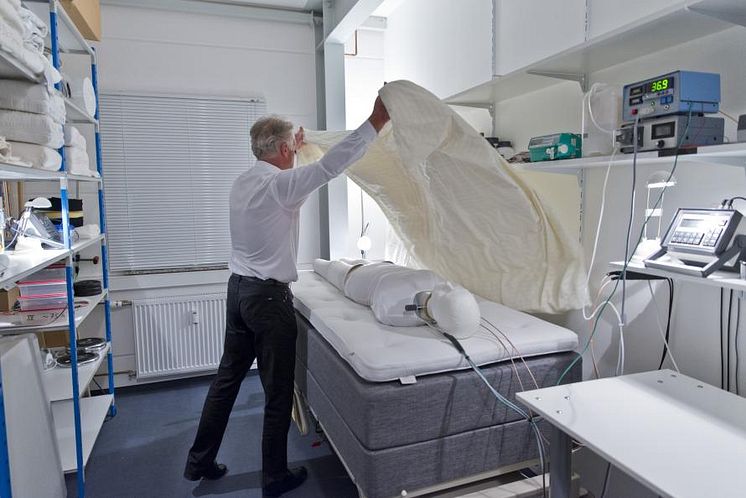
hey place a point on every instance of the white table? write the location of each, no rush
(680, 437)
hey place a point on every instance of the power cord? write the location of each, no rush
(626, 262)
(502, 399)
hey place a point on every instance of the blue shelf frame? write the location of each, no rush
(55, 13)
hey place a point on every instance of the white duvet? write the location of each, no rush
(459, 208)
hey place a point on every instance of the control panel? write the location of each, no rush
(678, 92)
(704, 231)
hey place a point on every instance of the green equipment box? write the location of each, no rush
(553, 147)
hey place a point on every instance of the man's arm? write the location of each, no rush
(293, 186)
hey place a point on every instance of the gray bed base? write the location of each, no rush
(444, 428)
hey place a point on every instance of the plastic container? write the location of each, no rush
(52, 272)
(43, 302)
(43, 287)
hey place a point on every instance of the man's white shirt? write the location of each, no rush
(265, 207)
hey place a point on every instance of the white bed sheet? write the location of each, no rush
(381, 353)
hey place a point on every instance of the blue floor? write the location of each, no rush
(141, 452)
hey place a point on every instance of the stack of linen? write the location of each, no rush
(22, 39)
(31, 119)
(76, 152)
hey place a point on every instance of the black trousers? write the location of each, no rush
(260, 323)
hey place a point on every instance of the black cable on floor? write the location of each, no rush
(668, 322)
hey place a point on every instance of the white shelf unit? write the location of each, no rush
(68, 37)
(664, 29)
(57, 380)
(727, 154)
(723, 279)
(77, 420)
(93, 411)
(76, 114)
(38, 321)
(15, 172)
(22, 266)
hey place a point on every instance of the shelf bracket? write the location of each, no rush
(581, 79)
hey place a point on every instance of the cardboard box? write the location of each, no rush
(86, 14)
(8, 298)
(55, 339)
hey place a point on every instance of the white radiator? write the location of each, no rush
(178, 335)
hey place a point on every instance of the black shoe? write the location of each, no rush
(215, 471)
(291, 480)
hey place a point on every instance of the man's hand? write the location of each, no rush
(379, 116)
(299, 138)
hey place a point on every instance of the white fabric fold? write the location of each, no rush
(73, 138)
(31, 128)
(38, 156)
(36, 98)
(11, 15)
(460, 209)
(77, 161)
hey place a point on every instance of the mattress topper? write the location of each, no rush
(382, 353)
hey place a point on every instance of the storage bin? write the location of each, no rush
(43, 302)
(52, 272)
(42, 287)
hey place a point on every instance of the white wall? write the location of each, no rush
(442, 45)
(166, 52)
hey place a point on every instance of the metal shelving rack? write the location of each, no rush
(77, 420)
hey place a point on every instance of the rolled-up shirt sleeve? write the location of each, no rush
(292, 187)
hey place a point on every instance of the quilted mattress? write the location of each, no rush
(381, 353)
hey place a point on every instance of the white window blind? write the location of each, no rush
(169, 164)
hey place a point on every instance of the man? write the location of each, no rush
(265, 207)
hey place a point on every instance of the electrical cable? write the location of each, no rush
(606, 480)
(626, 262)
(510, 357)
(666, 347)
(728, 116)
(631, 219)
(668, 323)
(502, 399)
(722, 346)
(520, 355)
(727, 355)
(738, 326)
(598, 226)
(738, 197)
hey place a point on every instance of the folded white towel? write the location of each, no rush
(10, 14)
(31, 128)
(32, 97)
(77, 161)
(37, 156)
(33, 23)
(73, 138)
(34, 30)
(11, 42)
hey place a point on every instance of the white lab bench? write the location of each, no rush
(665, 429)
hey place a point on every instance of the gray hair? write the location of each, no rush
(268, 133)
